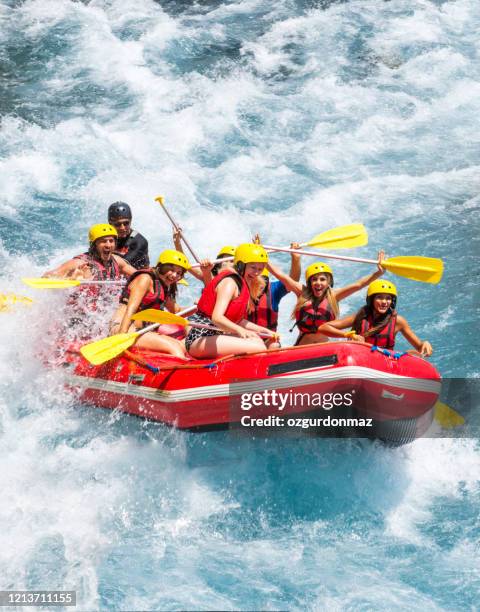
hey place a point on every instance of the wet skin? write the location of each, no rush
(105, 247)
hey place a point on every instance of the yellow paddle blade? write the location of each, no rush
(447, 417)
(103, 350)
(51, 283)
(423, 269)
(182, 281)
(160, 200)
(10, 299)
(159, 316)
(344, 237)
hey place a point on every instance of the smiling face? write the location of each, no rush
(171, 273)
(318, 283)
(381, 303)
(105, 247)
(253, 271)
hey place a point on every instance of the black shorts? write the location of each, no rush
(196, 332)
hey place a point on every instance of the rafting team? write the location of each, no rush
(238, 309)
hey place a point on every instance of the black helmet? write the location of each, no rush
(119, 210)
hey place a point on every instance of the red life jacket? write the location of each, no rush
(99, 271)
(264, 314)
(87, 297)
(238, 307)
(384, 337)
(310, 318)
(152, 299)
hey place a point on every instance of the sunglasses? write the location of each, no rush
(120, 223)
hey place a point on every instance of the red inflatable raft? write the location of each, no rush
(374, 392)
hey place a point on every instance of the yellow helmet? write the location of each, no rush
(100, 230)
(381, 286)
(226, 250)
(250, 253)
(170, 256)
(318, 268)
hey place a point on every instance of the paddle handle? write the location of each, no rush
(318, 254)
(161, 201)
(214, 261)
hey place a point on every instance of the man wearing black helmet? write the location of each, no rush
(131, 245)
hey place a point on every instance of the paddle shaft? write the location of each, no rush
(300, 252)
(215, 261)
(98, 282)
(177, 227)
(317, 254)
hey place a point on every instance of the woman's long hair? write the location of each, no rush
(307, 295)
(256, 288)
(161, 269)
(367, 311)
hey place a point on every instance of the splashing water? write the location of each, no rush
(247, 116)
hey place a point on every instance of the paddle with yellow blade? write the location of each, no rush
(65, 283)
(423, 269)
(162, 317)
(447, 417)
(10, 299)
(342, 237)
(161, 201)
(103, 350)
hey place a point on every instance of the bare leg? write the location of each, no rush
(162, 344)
(209, 347)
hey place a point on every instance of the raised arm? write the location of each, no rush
(177, 242)
(361, 283)
(289, 283)
(296, 264)
(206, 267)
